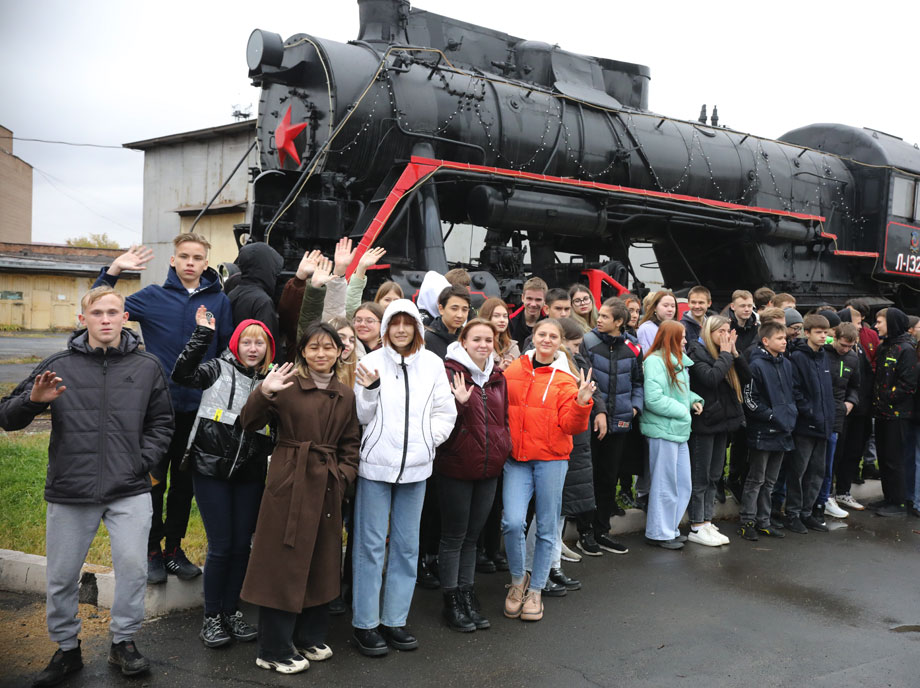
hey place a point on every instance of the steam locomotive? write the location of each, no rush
(426, 122)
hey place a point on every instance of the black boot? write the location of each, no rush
(454, 613)
(426, 576)
(471, 606)
(62, 663)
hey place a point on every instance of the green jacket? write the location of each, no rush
(667, 412)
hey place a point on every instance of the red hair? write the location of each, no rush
(668, 341)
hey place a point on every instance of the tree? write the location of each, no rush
(93, 240)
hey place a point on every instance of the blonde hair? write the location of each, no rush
(252, 331)
(346, 372)
(387, 288)
(710, 325)
(188, 237)
(558, 325)
(93, 295)
(503, 340)
(588, 321)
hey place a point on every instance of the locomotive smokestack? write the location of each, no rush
(715, 116)
(702, 117)
(383, 21)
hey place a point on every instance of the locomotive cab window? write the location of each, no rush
(904, 198)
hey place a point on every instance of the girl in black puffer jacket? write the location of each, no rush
(718, 373)
(228, 464)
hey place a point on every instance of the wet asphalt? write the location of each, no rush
(836, 609)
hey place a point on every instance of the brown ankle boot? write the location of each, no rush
(514, 600)
(532, 609)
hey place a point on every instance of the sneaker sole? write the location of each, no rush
(614, 551)
(590, 554)
(281, 668)
(511, 615)
(533, 617)
(315, 657)
(129, 672)
(216, 643)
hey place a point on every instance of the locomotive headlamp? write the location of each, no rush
(264, 49)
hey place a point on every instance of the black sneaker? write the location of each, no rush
(213, 633)
(605, 542)
(558, 576)
(337, 607)
(628, 500)
(156, 568)
(794, 524)
(748, 531)
(370, 642)
(426, 577)
(878, 504)
(238, 628)
(771, 531)
(812, 523)
(891, 510)
(126, 656)
(501, 563)
(588, 545)
(483, 563)
(553, 589)
(178, 564)
(63, 662)
(398, 637)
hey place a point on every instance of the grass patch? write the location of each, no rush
(22, 505)
(21, 360)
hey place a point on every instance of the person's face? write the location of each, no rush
(855, 316)
(666, 308)
(559, 309)
(699, 304)
(816, 336)
(533, 302)
(843, 346)
(479, 344)
(743, 308)
(606, 323)
(720, 332)
(347, 335)
(454, 313)
(252, 350)
(401, 332)
(367, 326)
(190, 261)
(794, 331)
(915, 331)
(320, 353)
(683, 339)
(582, 302)
(103, 320)
(500, 318)
(775, 344)
(390, 297)
(573, 345)
(546, 341)
(634, 310)
(881, 324)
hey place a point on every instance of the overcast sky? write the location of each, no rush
(109, 72)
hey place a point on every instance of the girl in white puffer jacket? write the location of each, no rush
(406, 405)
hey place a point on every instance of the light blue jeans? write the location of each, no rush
(669, 488)
(522, 480)
(381, 508)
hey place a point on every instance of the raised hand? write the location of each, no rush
(458, 386)
(45, 388)
(725, 341)
(279, 378)
(308, 264)
(365, 377)
(344, 254)
(323, 272)
(204, 318)
(371, 257)
(585, 387)
(733, 340)
(136, 258)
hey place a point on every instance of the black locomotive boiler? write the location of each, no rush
(425, 122)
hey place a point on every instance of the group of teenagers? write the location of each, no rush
(425, 434)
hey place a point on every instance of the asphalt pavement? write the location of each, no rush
(818, 610)
(41, 345)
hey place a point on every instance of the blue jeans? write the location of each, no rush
(229, 511)
(669, 488)
(522, 480)
(381, 507)
(911, 461)
(828, 470)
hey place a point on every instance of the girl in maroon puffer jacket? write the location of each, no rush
(468, 465)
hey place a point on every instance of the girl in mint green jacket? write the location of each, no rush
(665, 421)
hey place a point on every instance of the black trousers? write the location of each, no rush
(605, 455)
(738, 463)
(282, 633)
(465, 506)
(429, 532)
(890, 436)
(850, 448)
(490, 539)
(179, 499)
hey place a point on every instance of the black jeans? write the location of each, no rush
(707, 460)
(179, 499)
(465, 506)
(890, 436)
(282, 633)
(605, 455)
(229, 511)
(738, 464)
(850, 448)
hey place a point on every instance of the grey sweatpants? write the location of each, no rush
(70, 529)
(804, 474)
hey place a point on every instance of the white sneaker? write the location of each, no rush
(569, 554)
(294, 665)
(849, 502)
(317, 653)
(723, 539)
(704, 536)
(831, 509)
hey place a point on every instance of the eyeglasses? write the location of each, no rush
(366, 321)
(581, 302)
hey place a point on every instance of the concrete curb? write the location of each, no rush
(25, 573)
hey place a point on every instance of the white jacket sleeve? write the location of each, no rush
(443, 411)
(366, 402)
(334, 303)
